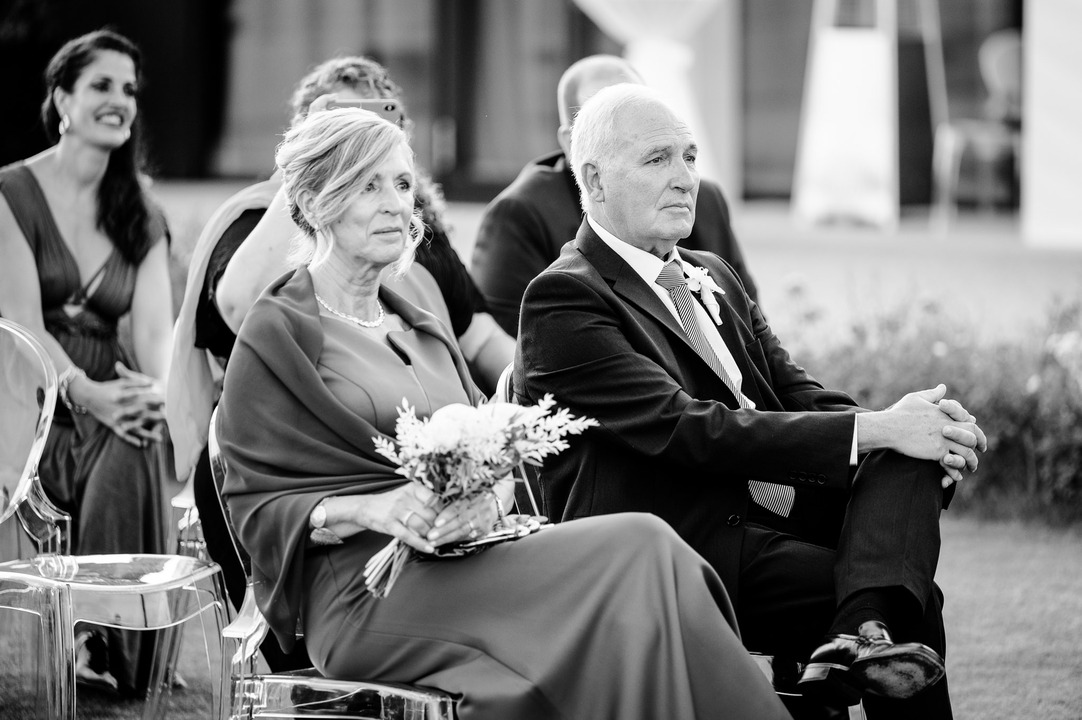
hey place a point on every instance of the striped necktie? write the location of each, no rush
(775, 498)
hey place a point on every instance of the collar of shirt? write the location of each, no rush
(645, 265)
(648, 267)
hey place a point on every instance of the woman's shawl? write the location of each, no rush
(192, 386)
(288, 442)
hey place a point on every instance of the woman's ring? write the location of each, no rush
(406, 520)
(473, 529)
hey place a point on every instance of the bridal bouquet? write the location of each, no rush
(461, 452)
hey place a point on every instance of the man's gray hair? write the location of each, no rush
(593, 133)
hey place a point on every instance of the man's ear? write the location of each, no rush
(591, 179)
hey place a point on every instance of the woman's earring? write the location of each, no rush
(65, 123)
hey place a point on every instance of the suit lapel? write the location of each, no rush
(630, 286)
(625, 282)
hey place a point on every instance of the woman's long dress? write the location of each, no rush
(112, 490)
(611, 617)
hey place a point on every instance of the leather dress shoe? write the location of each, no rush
(846, 667)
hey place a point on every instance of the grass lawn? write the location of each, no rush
(1014, 623)
(1014, 620)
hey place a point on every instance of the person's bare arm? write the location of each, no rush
(152, 313)
(258, 261)
(487, 348)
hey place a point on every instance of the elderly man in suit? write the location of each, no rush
(821, 517)
(524, 227)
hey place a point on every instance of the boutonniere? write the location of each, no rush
(699, 280)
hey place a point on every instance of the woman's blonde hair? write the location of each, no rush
(326, 159)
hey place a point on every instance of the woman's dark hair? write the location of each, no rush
(123, 214)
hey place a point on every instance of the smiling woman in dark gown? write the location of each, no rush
(82, 247)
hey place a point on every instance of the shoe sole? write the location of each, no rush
(830, 683)
(899, 672)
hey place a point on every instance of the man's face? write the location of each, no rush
(648, 188)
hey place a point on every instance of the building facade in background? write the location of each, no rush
(479, 75)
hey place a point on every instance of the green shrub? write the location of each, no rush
(1026, 395)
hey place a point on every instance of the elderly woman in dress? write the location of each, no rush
(607, 617)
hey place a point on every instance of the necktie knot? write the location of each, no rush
(671, 276)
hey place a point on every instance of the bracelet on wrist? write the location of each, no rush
(500, 514)
(64, 389)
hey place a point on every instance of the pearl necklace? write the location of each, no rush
(352, 318)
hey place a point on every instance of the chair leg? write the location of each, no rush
(59, 634)
(210, 596)
(222, 611)
(160, 671)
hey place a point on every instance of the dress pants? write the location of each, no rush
(888, 537)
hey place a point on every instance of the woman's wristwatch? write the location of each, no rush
(320, 535)
(64, 389)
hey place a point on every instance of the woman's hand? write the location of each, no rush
(407, 513)
(131, 406)
(320, 103)
(464, 520)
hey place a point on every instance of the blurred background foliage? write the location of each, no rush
(1026, 394)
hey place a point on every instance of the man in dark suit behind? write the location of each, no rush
(821, 517)
(524, 227)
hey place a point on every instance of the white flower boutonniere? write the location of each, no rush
(700, 281)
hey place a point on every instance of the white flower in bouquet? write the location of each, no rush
(461, 452)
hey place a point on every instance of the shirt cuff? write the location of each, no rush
(853, 450)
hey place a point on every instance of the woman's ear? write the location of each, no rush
(304, 204)
(60, 101)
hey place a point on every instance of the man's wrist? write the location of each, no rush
(872, 432)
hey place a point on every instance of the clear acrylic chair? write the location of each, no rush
(131, 592)
(303, 693)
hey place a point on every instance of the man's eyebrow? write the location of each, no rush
(656, 148)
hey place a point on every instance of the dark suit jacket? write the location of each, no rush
(526, 225)
(669, 442)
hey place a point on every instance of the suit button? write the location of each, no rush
(733, 520)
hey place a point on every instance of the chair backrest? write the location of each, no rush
(217, 471)
(28, 391)
(527, 493)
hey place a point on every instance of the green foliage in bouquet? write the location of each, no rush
(1026, 395)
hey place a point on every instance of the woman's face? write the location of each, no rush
(101, 104)
(375, 226)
